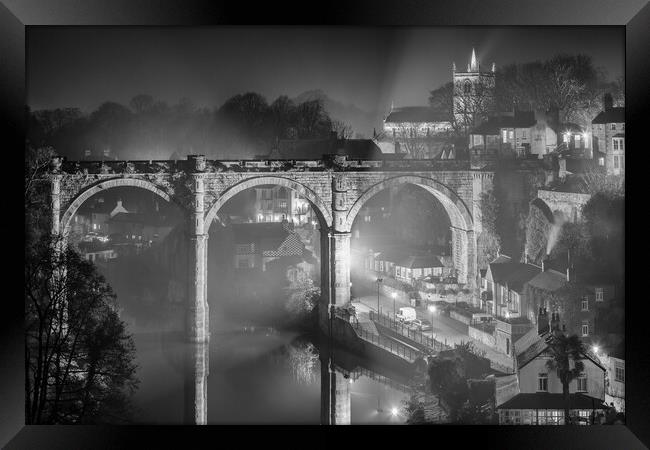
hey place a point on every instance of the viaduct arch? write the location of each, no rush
(336, 187)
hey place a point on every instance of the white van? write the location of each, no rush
(406, 314)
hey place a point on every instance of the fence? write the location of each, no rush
(414, 335)
(384, 380)
(395, 348)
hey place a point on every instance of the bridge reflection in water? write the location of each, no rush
(338, 369)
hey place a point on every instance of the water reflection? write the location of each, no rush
(257, 376)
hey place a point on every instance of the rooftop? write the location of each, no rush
(417, 114)
(549, 280)
(611, 115)
(513, 274)
(420, 262)
(520, 119)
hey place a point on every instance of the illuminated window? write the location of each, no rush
(542, 382)
(94, 226)
(511, 134)
(599, 294)
(504, 134)
(577, 138)
(283, 203)
(601, 161)
(582, 383)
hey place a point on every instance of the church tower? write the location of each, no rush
(474, 98)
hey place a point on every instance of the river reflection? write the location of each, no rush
(256, 376)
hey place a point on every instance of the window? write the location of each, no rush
(283, 204)
(94, 226)
(585, 304)
(623, 127)
(542, 382)
(504, 134)
(617, 143)
(577, 138)
(467, 87)
(399, 271)
(582, 383)
(511, 134)
(565, 138)
(523, 134)
(613, 127)
(619, 373)
(601, 161)
(599, 294)
(585, 329)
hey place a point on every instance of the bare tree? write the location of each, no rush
(411, 140)
(342, 129)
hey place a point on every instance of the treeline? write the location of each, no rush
(244, 126)
(569, 83)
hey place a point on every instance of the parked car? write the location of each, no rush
(421, 324)
(406, 314)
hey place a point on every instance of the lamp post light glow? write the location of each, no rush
(394, 411)
(432, 310)
(595, 349)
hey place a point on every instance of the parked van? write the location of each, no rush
(406, 314)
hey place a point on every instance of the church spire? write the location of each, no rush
(474, 63)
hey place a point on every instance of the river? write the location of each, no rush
(257, 376)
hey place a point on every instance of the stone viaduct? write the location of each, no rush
(336, 187)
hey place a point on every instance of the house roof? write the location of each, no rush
(532, 344)
(420, 262)
(291, 246)
(520, 119)
(611, 115)
(549, 280)
(513, 274)
(417, 114)
(619, 135)
(141, 219)
(316, 148)
(547, 400)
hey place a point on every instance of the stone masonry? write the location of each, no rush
(336, 187)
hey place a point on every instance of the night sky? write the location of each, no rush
(366, 67)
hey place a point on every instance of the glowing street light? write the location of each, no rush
(432, 310)
(394, 411)
(595, 348)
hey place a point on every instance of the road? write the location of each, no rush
(445, 329)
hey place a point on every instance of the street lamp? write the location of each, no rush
(394, 295)
(432, 310)
(379, 280)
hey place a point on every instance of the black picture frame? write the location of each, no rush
(16, 15)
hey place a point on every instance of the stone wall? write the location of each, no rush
(482, 336)
(570, 204)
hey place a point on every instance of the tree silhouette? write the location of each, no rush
(566, 358)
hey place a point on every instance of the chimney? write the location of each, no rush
(608, 101)
(542, 321)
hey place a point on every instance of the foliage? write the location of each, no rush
(489, 242)
(566, 353)
(78, 356)
(303, 298)
(245, 125)
(36, 191)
